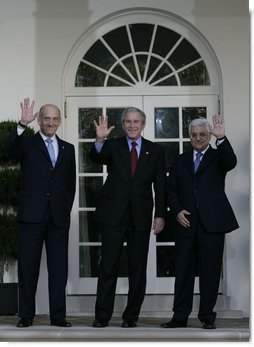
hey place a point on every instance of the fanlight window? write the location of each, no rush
(142, 53)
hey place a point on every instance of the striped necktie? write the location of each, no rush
(197, 161)
(134, 158)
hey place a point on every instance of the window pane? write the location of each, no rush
(190, 113)
(99, 55)
(88, 76)
(118, 40)
(186, 146)
(154, 63)
(164, 41)
(195, 75)
(171, 149)
(166, 122)
(89, 189)
(171, 81)
(129, 63)
(163, 72)
(89, 230)
(184, 54)
(86, 125)
(114, 82)
(141, 36)
(142, 59)
(89, 260)
(165, 261)
(85, 164)
(114, 118)
(120, 72)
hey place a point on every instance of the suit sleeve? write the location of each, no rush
(13, 145)
(172, 191)
(103, 157)
(72, 182)
(227, 157)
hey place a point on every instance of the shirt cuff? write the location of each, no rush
(98, 146)
(20, 130)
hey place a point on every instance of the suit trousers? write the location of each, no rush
(31, 239)
(113, 239)
(201, 253)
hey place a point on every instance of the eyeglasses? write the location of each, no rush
(194, 136)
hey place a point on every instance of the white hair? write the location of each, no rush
(199, 122)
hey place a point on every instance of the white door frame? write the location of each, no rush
(155, 285)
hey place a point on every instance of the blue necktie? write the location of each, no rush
(51, 151)
(197, 161)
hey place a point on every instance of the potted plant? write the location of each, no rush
(10, 175)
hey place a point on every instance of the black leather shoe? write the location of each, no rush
(24, 323)
(175, 323)
(208, 324)
(128, 324)
(61, 323)
(99, 323)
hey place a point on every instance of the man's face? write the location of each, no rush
(133, 125)
(200, 137)
(49, 121)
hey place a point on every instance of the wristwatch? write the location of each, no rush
(22, 125)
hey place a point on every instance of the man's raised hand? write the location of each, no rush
(102, 130)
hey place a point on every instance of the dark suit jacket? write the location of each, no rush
(203, 191)
(121, 189)
(41, 183)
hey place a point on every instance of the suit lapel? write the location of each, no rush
(189, 161)
(143, 156)
(61, 150)
(208, 156)
(124, 153)
(42, 146)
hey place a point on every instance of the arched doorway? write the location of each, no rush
(144, 58)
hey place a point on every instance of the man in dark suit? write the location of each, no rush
(124, 210)
(203, 215)
(46, 196)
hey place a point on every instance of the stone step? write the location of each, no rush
(148, 329)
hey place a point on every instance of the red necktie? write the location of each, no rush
(134, 158)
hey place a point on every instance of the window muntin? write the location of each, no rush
(145, 53)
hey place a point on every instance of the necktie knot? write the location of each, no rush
(49, 140)
(134, 144)
(199, 155)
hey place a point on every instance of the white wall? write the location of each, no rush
(37, 36)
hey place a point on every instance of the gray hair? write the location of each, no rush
(42, 110)
(199, 122)
(133, 109)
